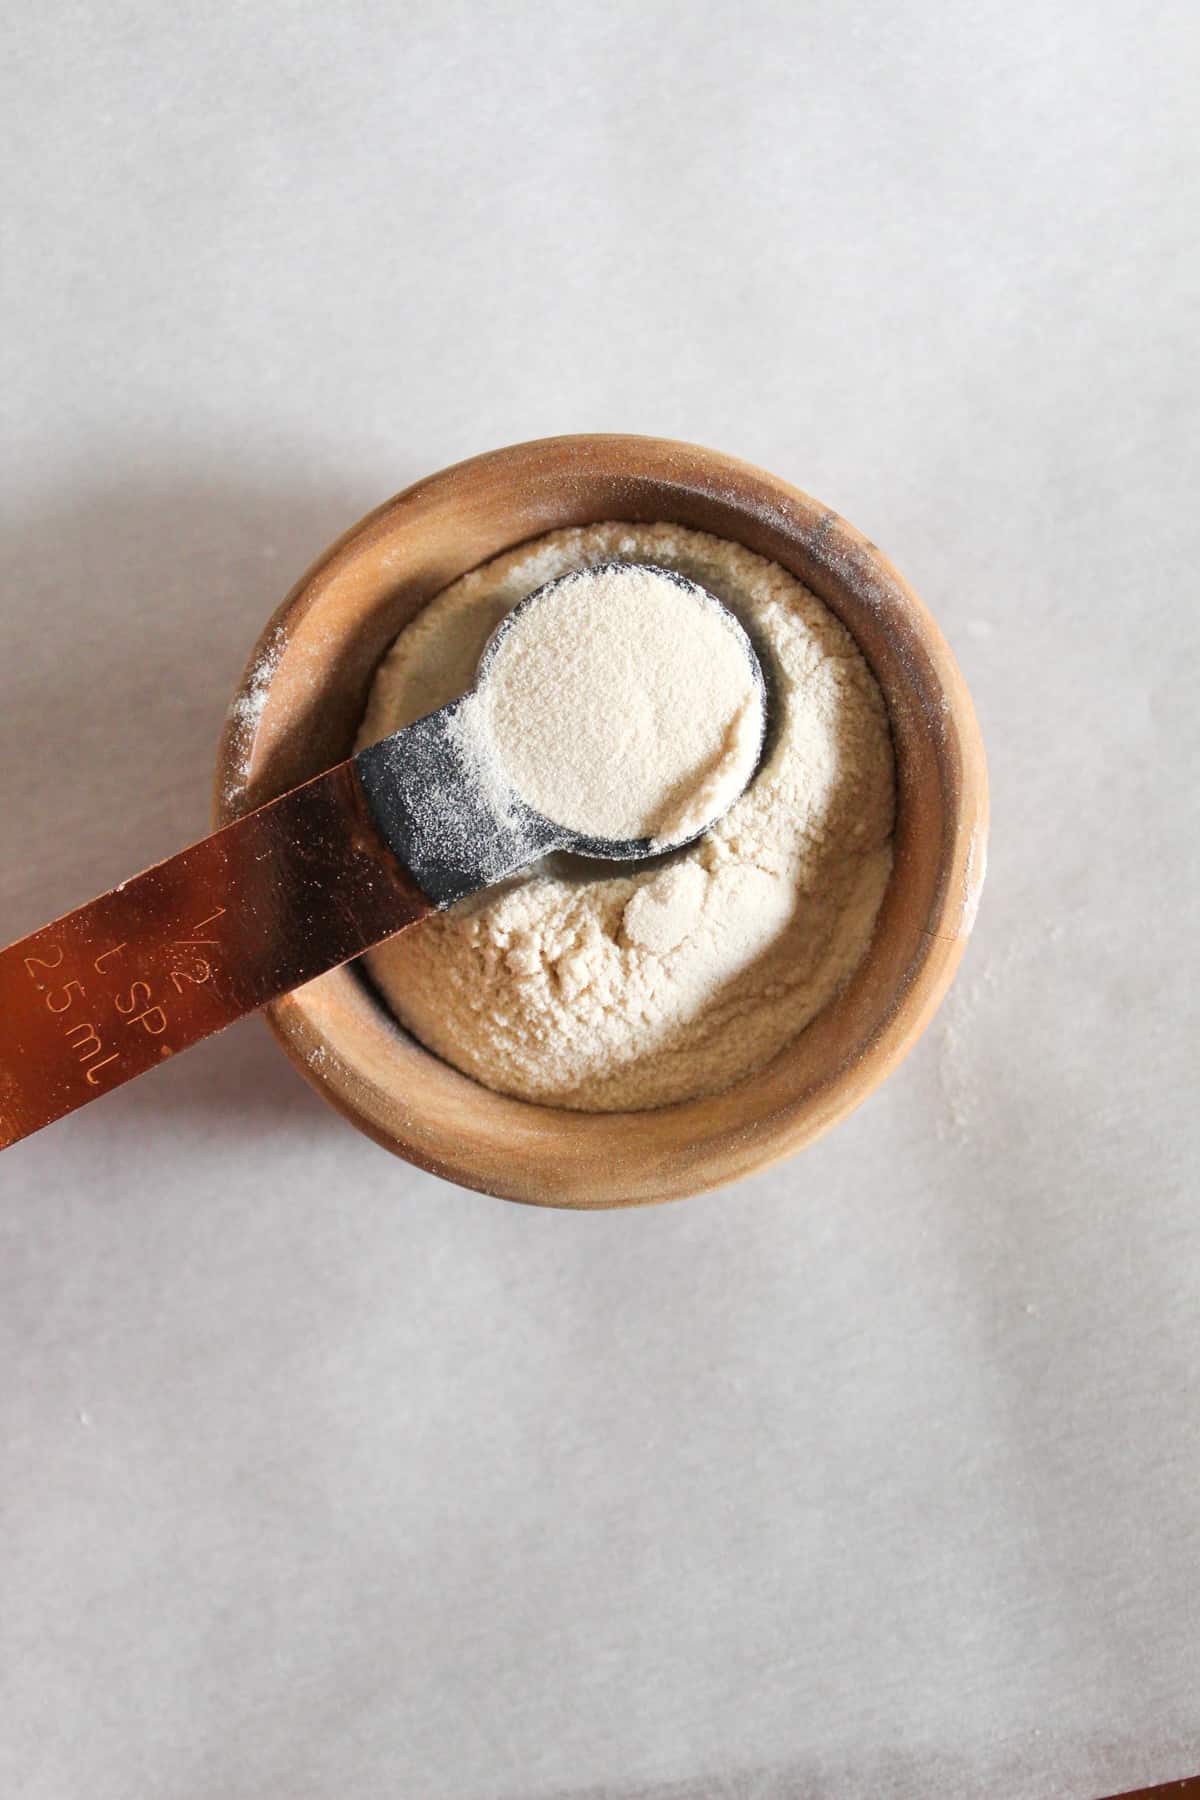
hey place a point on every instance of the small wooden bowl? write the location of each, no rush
(299, 707)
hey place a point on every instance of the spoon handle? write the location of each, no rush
(280, 896)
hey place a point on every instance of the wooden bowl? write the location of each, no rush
(299, 707)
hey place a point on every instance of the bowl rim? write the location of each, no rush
(339, 1035)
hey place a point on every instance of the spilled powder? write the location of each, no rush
(245, 712)
(583, 987)
(623, 704)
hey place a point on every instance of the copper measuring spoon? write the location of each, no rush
(284, 894)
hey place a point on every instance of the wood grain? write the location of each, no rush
(316, 660)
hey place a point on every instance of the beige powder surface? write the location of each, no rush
(623, 703)
(583, 987)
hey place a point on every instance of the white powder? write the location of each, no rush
(623, 704)
(246, 710)
(605, 990)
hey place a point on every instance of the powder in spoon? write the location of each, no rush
(622, 702)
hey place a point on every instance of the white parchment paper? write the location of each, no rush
(879, 1474)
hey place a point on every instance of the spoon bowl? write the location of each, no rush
(446, 806)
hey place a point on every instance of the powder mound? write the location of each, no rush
(623, 703)
(578, 986)
(663, 912)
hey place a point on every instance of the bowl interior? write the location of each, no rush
(298, 711)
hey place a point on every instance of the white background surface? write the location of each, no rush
(879, 1474)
